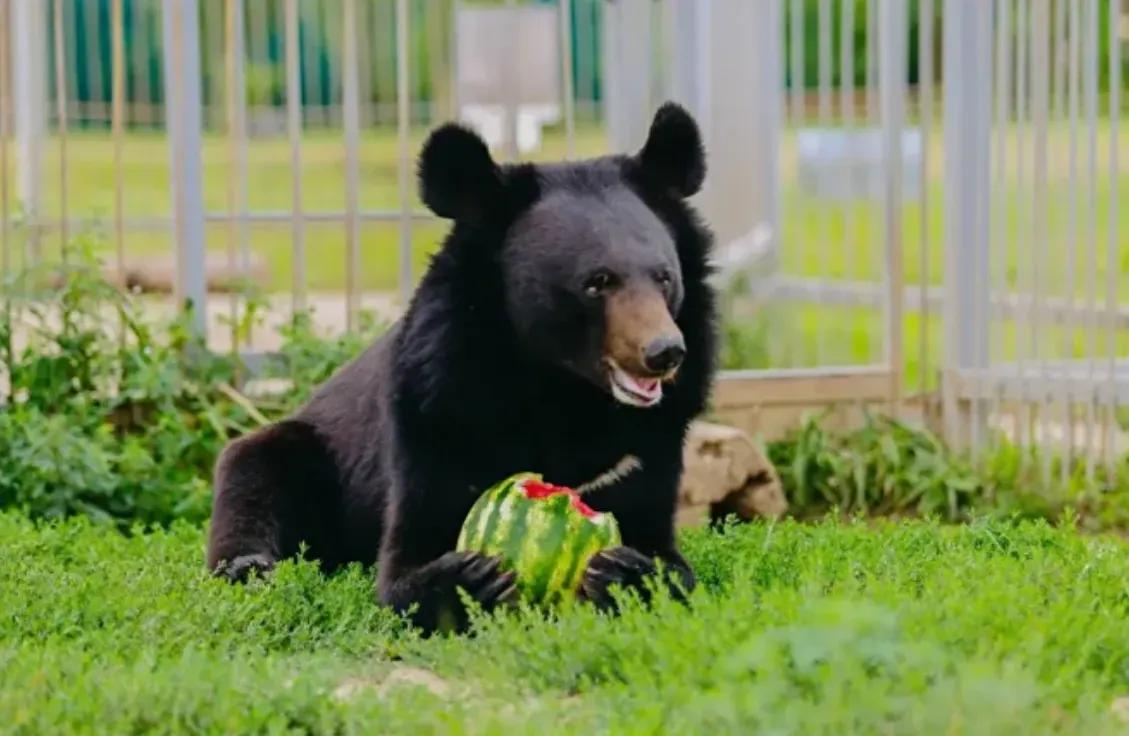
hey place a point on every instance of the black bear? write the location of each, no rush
(565, 327)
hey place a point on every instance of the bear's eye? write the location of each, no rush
(664, 278)
(598, 283)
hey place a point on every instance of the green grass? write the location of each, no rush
(825, 628)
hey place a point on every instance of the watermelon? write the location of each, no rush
(544, 533)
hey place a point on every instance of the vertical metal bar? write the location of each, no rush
(210, 57)
(627, 64)
(982, 186)
(5, 132)
(1091, 94)
(61, 123)
(847, 114)
(512, 81)
(366, 79)
(334, 83)
(1021, 236)
(825, 27)
(742, 195)
(403, 129)
(796, 61)
(656, 54)
(1057, 43)
(847, 64)
(142, 107)
(117, 114)
(184, 117)
(259, 26)
(565, 23)
(586, 47)
(925, 108)
(309, 74)
(1112, 261)
(873, 117)
(1003, 91)
(351, 112)
(1073, 102)
(6, 296)
(1058, 94)
(453, 67)
(967, 134)
(824, 57)
(1040, 222)
(765, 26)
(384, 30)
(236, 104)
(29, 98)
(797, 75)
(872, 61)
(93, 108)
(892, 69)
(689, 77)
(294, 130)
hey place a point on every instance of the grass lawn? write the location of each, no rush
(827, 628)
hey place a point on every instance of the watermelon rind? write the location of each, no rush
(546, 541)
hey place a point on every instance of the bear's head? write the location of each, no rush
(586, 252)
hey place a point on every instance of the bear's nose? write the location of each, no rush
(664, 354)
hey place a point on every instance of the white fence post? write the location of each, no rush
(740, 114)
(690, 68)
(967, 137)
(29, 100)
(627, 72)
(183, 120)
(892, 64)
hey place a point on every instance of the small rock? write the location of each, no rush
(353, 687)
(726, 473)
(415, 677)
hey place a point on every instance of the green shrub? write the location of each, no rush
(889, 468)
(114, 417)
(884, 467)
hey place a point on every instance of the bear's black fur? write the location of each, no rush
(551, 277)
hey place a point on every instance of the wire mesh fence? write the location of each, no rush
(917, 203)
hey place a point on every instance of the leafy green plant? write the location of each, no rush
(889, 468)
(885, 467)
(113, 417)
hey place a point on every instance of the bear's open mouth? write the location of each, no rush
(640, 391)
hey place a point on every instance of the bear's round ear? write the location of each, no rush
(457, 176)
(673, 156)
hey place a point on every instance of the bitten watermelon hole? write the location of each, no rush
(536, 489)
(543, 532)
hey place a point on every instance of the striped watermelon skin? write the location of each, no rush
(544, 533)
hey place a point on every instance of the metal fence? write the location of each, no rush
(917, 202)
